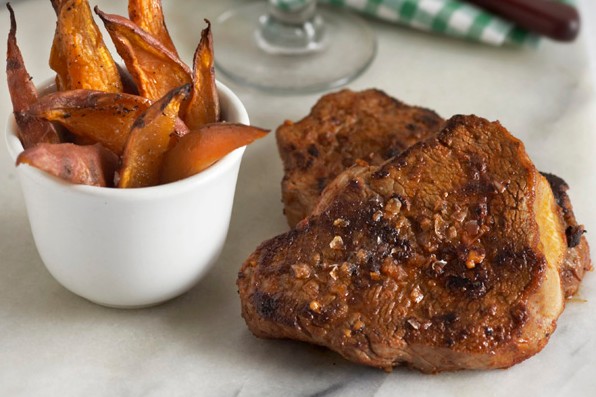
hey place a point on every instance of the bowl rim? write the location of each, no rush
(228, 100)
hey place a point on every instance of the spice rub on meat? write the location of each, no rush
(452, 255)
(344, 127)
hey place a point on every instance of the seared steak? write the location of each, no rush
(452, 255)
(342, 128)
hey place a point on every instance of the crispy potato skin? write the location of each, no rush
(79, 55)
(200, 148)
(148, 15)
(149, 139)
(154, 68)
(91, 165)
(203, 106)
(23, 94)
(95, 116)
(33, 131)
(123, 119)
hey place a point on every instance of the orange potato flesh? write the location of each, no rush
(203, 106)
(88, 165)
(58, 64)
(79, 56)
(23, 94)
(95, 116)
(155, 69)
(149, 139)
(57, 59)
(200, 148)
(148, 15)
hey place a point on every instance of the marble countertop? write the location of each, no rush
(53, 343)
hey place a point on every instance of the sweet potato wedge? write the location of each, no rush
(203, 106)
(23, 94)
(79, 56)
(149, 139)
(155, 69)
(200, 148)
(96, 116)
(88, 165)
(148, 15)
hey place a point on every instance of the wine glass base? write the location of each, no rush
(345, 51)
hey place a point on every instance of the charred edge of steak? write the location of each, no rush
(559, 187)
(573, 232)
(574, 235)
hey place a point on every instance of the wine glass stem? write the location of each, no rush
(291, 27)
(292, 11)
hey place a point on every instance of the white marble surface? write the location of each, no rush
(53, 343)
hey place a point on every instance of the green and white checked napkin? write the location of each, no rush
(451, 17)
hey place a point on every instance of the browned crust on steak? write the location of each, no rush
(434, 259)
(341, 128)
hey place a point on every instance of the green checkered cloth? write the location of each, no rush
(451, 17)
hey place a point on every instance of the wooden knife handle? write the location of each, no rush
(556, 20)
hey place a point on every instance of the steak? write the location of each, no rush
(344, 127)
(452, 255)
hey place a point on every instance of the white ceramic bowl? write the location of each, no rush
(132, 247)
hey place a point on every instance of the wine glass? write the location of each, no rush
(292, 46)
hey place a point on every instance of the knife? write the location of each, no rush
(552, 19)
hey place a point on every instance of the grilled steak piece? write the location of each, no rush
(342, 128)
(449, 256)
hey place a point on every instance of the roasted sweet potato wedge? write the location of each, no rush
(88, 165)
(148, 15)
(149, 139)
(79, 56)
(96, 116)
(23, 94)
(200, 148)
(203, 106)
(155, 69)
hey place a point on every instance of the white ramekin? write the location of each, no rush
(132, 247)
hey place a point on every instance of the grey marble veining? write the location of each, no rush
(53, 343)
